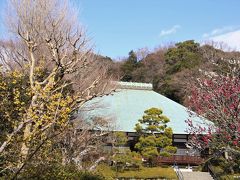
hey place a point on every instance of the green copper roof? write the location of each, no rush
(128, 103)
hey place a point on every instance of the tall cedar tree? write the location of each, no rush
(129, 66)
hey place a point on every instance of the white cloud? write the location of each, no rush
(219, 31)
(231, 39)
(167, 32)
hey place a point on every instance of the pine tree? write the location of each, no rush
(155, 137)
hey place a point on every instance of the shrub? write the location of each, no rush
(57, 171)
(132, 159)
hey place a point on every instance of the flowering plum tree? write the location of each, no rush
(217, 98)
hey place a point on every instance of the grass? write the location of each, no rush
(217, 170)
(230, 177)
(143, 173)
(106, 171)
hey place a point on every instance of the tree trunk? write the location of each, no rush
(25, 148)
(96, 163)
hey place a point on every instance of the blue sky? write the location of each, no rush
(118, 26)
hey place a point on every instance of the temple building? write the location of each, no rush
(127, 105)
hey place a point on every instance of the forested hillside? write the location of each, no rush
(172, 70)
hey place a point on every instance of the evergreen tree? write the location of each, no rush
(185, 55)
(155, 137)
(129, 66)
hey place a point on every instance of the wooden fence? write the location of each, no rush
(180, 159)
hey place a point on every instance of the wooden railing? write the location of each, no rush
(216, 176)
(178, 172)
(180, 159)
(210, 170)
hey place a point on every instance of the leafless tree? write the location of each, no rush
(46, 34)
(85, 142)
(142, 53)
